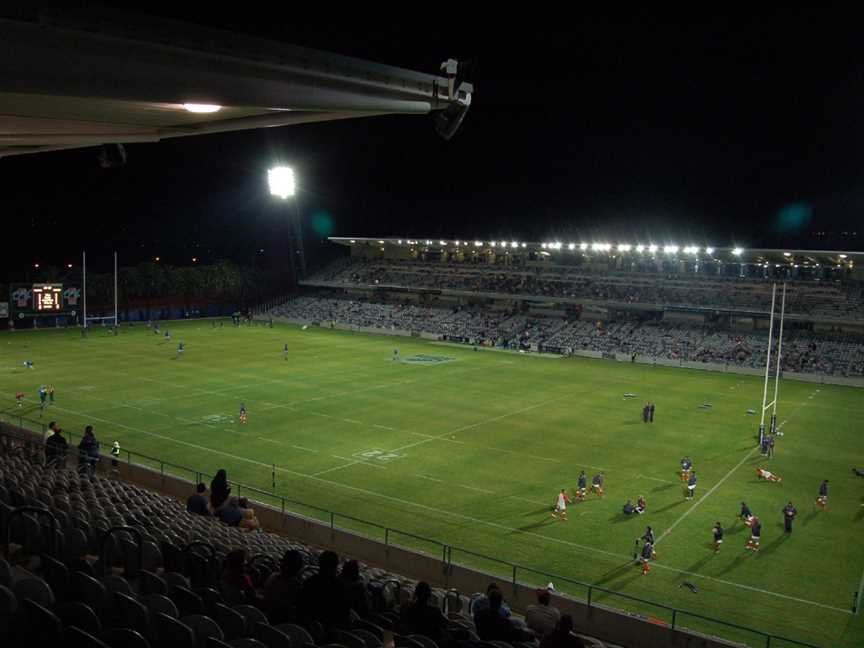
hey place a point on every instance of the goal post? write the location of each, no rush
(777, 362)
(778, 359)
(765, 406)
(105, 320)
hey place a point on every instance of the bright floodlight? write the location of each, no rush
(281, 181)
(583, 246)
(640, 248)
(738, 251)
(202, 108)
(787, 254)
(652, 248)
(571, 246)
(624, 247)
(709, 250)
(478, 243)
(670, 249)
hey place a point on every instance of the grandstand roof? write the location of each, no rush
(846, 258)
(80, 78)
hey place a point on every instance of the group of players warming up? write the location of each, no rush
(687, 475)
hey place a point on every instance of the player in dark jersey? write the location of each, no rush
(822, 500)
(789, 513)
(646, 556)
(285, 351)
(755, 535)
(746, 515)
(691, 486)
(242, 414)
(582, 487)
(597, 484)
(686, 467)
(718, 537)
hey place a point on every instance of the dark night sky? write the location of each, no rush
(624, 128)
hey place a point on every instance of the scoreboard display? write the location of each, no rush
(48, 298)
(34, 300)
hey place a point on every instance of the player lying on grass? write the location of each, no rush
(560, 510)
(767, 475)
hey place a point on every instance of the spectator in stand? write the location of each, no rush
(356, 593)
(420, 618)
(230, 513)
(282, 589)
(236, 584)
(492, 625)
(481, 603)
(52, 426)
(197, 503)
(88, 452)
(542, 617)
(248, 521)
(323, 596)
(563, 636)
(55, 449)
(219, 490)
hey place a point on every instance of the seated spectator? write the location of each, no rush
(236, 584)
(55, 449)
(52, 426)
(230, 513)
(322, 598)
(356, 593)
(542, 617)
(418, 617)
(282, 589)
(219, 490)
(197, 503)
(249, 521)
(482, 603)
(563, 636)
(492, 625)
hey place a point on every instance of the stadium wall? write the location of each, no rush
(594, 620)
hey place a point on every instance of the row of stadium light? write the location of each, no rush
(594, 247)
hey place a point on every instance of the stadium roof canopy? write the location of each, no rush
(79, 78)
(837, 258)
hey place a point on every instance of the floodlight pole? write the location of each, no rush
(779, 359)
(767, 364)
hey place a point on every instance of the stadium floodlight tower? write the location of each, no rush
(283, 185)
(773, 404)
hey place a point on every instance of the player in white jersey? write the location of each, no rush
(560, 511)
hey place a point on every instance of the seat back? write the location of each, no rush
(233, 623)
(273, 637)
(124, 638)
(79, 615)
(172, 632)
(203, 627)
(36, 590)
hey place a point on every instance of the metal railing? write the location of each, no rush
(516, 574)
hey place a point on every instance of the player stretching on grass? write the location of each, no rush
(718, 537)
(597, 484)
(242, 414)
(822, 500)
(560, 510)
(581, 489)
(767, 475)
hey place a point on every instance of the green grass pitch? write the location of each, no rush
(470, 448)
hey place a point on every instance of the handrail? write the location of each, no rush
(447, 548)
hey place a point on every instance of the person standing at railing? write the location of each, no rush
(219, 490)
(55, 449)
(88, 452)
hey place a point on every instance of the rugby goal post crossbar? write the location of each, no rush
(777, 362)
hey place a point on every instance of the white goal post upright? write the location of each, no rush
(765, 406)
(114, 319)
(778, 361)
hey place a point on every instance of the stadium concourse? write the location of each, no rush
(94, 561)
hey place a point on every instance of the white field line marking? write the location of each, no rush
(474, 488)
(662, 481)
(453, 514)
(434, 479)
(365, 463)
(329, 470)
(706, 495)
